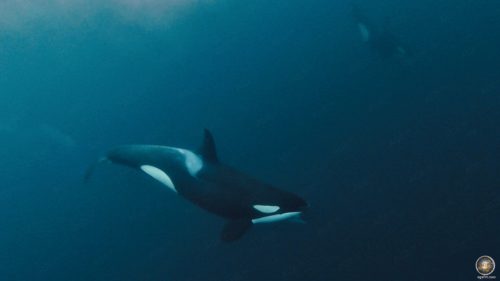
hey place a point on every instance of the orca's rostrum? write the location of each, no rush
(201, 178)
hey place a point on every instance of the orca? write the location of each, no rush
(382, 42)
(202, 179)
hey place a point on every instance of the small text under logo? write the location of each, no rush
(485, 265)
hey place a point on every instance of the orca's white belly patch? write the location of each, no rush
(159, 175)
(276, 217)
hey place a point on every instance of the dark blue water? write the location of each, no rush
(398, 157)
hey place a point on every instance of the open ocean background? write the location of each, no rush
(399, 158)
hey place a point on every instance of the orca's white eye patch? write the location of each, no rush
(159, 175)
(267, 209)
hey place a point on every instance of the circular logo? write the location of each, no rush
(485, 265)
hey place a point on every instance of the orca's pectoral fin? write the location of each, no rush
(90, 170)
(235, 229)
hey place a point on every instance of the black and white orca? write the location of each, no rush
(382, 42)
(201, 178)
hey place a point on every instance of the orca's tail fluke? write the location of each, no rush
(90, 170)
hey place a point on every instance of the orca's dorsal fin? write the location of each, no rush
(207, 149)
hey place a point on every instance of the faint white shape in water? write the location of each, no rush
(365, 33)
(57, 136)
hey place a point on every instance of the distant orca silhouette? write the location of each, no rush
(384, 43)
(202, 179)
